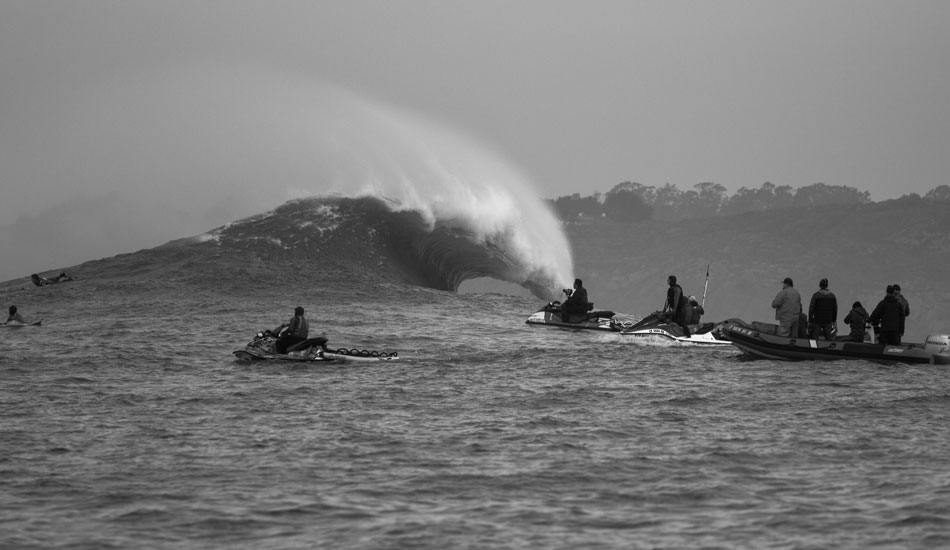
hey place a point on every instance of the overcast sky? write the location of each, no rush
(211, 109)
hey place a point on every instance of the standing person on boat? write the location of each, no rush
(14, 317)
(297, 331)
(890, 314)
(788, 306)
(676, 305)
(903, 301)
(694, 311)
(857, 318)
(576, 301)
(822, 312)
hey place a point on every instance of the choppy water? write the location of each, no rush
(126, 423)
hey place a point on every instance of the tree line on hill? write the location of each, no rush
(630, 202)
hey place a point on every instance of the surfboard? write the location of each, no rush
(19, 325)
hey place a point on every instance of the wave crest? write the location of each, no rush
(368, 236)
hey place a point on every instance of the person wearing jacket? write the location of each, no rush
(694, 310)
(890, 314)
(788, 306)
(822, 312)
(857, 318)
(903, 301)
(576, 301)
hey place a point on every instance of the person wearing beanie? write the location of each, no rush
(857, 318)
(889, 314)
(15, 317)
(822, 313)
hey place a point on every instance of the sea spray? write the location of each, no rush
(418, 165)
(183, 149)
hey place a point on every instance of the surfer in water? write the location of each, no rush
(14, 317)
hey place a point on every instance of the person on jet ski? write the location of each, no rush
(294, 332)
(694, 311)
(675, 305)
(576, 301)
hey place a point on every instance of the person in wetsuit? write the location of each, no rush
(676, 305)
(297, 331)
(14, 317)
(576, 301)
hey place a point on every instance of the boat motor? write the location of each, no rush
(938, 344)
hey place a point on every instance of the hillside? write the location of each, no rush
(859, 248)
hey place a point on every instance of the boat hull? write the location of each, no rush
(708, 339)
(770, 346)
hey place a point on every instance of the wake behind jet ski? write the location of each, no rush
(660, 325)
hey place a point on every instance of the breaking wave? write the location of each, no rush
(368, 235)
(485, 218)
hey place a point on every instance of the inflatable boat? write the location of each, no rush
(758, 343)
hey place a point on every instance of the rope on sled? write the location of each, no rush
(365, 353)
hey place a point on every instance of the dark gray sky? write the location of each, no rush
(197, 108)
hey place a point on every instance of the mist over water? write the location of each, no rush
(177, 151)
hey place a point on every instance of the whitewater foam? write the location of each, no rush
(418, 165)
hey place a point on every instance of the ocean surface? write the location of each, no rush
(125, 422)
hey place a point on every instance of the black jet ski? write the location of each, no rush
(657, 325)
(264, 347)
(757, 341)
(552, 316)
(46, 281)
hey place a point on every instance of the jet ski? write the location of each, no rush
(46, 281)
(313, 350)
(552, 316)
(658, 325)
(756, 341)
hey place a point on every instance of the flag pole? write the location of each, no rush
(706, 284)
